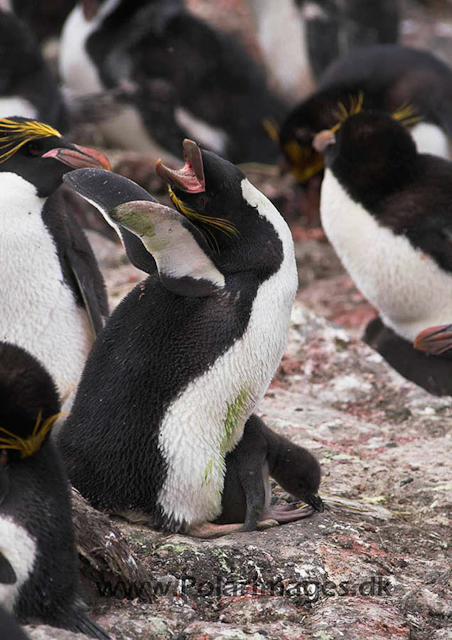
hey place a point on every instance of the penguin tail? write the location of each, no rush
(83, 624)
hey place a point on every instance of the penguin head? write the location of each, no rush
(29, 404)
(39, 154)
(371, 153)
(299, 473)
(323, 110)
(296, 137)
(208, 191)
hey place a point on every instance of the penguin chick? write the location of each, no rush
(52, 292)
(38, 560)
(9, 628)
(387, 210)
(247, 492)
(384, 77)
(184, 359)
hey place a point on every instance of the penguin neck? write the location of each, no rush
(270, 240)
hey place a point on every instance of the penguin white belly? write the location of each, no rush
(430, 138)
(207, 419)
(406, 285)
(38, 310)
(19, 548)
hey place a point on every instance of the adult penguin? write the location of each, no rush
(178, 76)
(384, 78)
(386, 209)
(186, 356)
(53, 299)
(39, 575)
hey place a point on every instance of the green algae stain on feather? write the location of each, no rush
(234, 417)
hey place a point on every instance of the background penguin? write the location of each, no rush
(9, 629)
(52, 292)
(36, 535)
(182, 77)
(247, 492)
(387, 210)
(28, 87)
(186, 356)
(335, 27)
(384, 77)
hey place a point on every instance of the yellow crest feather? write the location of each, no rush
(406, 114)
(28, 446)
(13, 135)
(355, 106)
(221, 224)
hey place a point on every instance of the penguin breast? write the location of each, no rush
(407, 287)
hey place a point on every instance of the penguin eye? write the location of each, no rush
(201, 201)
(34, 149)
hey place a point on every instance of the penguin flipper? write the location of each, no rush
(77, 260)
(87, 292)
(7, 573)
(183, 263)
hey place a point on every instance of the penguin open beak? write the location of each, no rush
(191, 177)
(79, 157)
(435, 340)
(323, 140)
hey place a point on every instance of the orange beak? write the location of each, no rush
(79, 157)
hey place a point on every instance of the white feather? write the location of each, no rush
(211, 137)
(192, 436)
(38, 311)
(15, 106)
(406, 285)
(430, 138)
(19, 548)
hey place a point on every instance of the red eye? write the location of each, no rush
(202, 201)
(34, 149)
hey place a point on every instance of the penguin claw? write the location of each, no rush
(268, 523)
(435, 340)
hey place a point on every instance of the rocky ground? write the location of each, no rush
(376, 565)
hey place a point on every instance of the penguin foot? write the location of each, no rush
(288, 514)
(210, 530)
(435, 340)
